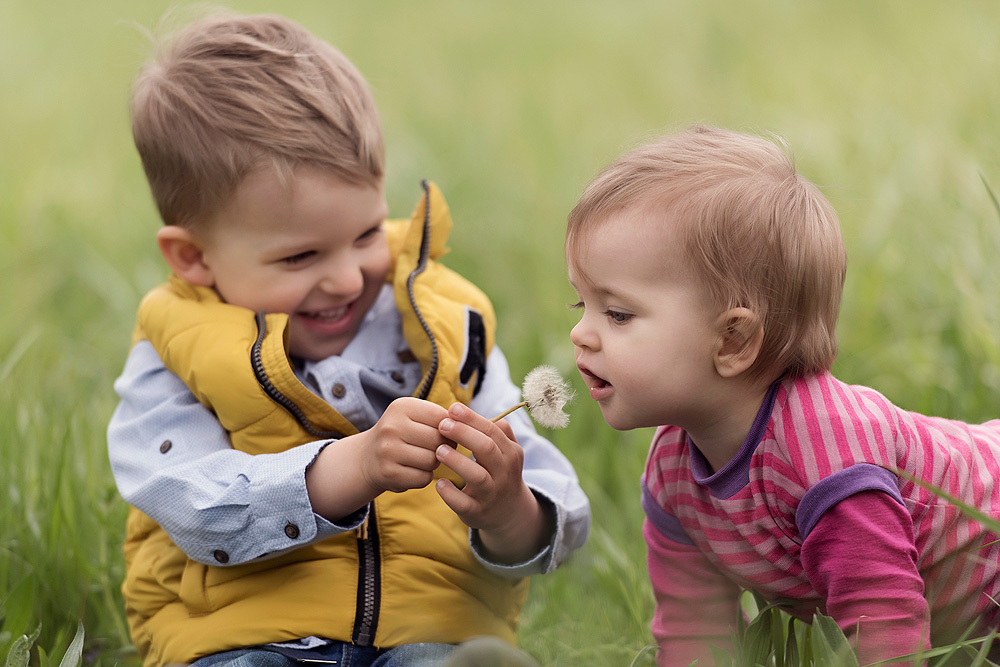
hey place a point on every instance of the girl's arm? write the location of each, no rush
(861, 557)
(696, 606)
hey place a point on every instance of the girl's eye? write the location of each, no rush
(617, 316)
(299, 257)
(578, 304)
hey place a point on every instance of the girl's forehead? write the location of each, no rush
(627, 230)
(639, 246)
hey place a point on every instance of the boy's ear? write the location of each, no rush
(741, 335)
(184, 255)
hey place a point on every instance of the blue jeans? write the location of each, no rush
(336, 654)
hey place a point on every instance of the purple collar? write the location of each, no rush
(736, 474)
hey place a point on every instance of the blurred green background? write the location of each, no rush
(891, 107)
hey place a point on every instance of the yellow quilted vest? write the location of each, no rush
(408, 575)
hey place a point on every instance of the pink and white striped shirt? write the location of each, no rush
(818, 509)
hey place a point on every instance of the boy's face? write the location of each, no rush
(312, 247)
(645, 342)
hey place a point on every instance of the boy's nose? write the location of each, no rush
(343, 279)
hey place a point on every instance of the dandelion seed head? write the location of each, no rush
(546, 393)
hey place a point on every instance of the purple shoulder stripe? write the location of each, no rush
(663, 521)
(831, 490)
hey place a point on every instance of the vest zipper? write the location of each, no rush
(425, 248)
(369, 581)
(273, 392)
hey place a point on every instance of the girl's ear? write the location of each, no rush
(741, 335)
(184, 255)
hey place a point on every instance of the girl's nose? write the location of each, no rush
(582, 336)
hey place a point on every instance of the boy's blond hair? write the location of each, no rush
(757, 234)
(229, 94)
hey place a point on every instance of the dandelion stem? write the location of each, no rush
(506, 412)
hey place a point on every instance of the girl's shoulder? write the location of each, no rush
(820, 425)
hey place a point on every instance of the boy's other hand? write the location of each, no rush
(495, 500)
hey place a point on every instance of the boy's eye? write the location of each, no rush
(617, 316)
(298, 258)
(370, 234)
(578, 304)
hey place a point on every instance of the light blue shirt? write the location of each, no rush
(172, 459)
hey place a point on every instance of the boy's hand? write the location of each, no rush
(512, 524)
(394, 455)
(399, 452)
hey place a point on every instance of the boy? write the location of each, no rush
(297, 367)
(710, 274)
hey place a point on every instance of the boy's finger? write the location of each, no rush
(469, 470)
(466, 415)
(486, 449)
(459, 502)
(420, 411)
(506, 428)
(463, 414)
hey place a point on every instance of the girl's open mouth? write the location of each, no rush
(598, 386)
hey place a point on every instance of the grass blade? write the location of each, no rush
(833, 648)
(20, 651)
(989, 191)
(74, 652)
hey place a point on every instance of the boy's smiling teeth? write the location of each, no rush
(328, 315)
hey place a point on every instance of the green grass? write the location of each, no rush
(511, 107)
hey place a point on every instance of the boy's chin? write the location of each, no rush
(316, 351)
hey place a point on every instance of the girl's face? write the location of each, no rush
(648, 331)
(312, 247)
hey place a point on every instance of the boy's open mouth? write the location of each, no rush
(328, 315)
(329, 321)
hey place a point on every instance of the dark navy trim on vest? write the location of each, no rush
(474, 357)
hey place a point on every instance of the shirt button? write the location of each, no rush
(339, 390)
(165, 446)
(292, 531)
(397, 377)
(221, 556)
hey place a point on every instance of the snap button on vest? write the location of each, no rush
(292, 531)
(165, 446)
(397, 377)
(339, 390)
(221, 556)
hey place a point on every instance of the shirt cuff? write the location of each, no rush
(540, 563)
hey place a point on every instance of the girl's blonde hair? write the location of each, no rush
(756, 233)
(230, 94)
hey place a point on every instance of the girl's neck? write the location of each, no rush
(720, 439)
